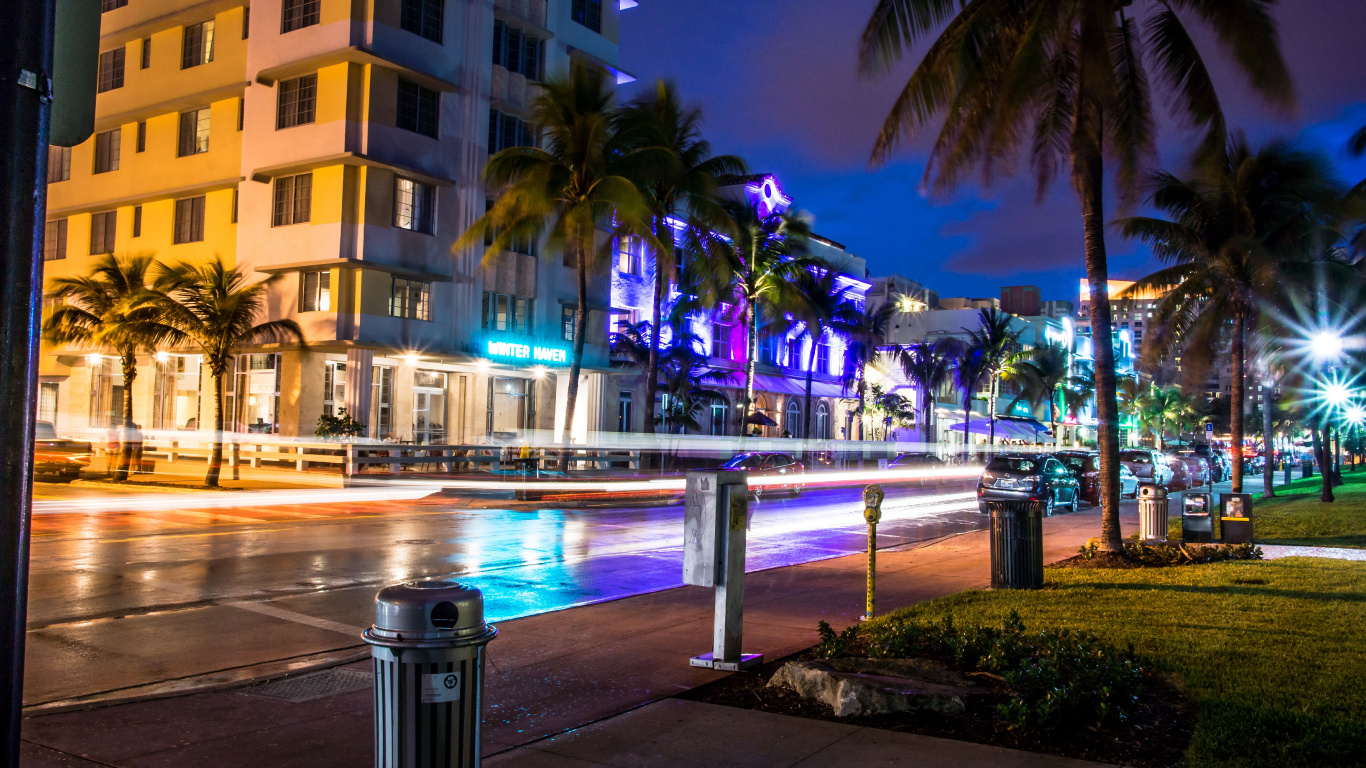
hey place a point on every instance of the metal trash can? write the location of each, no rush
(427, 643)
(1235, 518)
(1016, 544)
(1306, 468)
(1196, 524)
(1153, 506)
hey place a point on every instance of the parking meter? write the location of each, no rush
(872, 504)
(872, 512)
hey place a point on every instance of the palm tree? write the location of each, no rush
(572, 187)
(1161, 406)
(1075, 73)
(998, 345)
(1043, 376)
(1239, 237)
(824, 309)
(926, 365)
(1080, 391)
(216, 309)
(677, 176)
(867, 333)
(112, 309)
(969, 373)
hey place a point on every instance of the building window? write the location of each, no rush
(413, 205)
(146, 60)
(107, 150)
(108, 5)
(629, 255)
(197, 45)
(58, 164)
(54, 240)
(720, 339)
(189, 220)
(334, 387)
(624, 417)
(315, 291)
(137, 221)
(234, 206)
(102, 228)
(517, 51)
(246, 22)
(194, 132)
(241, 111)
(296, 101)
(822, 357)
(509, 131)
(141, 143)
(506, 313)
(297, 14)
(422, 17)
(418, 108)
(411, 299)
(382, 401)
(110, 75)
(794, 418)
(568, 323)
(720, 410)
(588, 13)
(47, 402)
(293, 200)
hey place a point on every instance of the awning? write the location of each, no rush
(784, 385)
(1005, 428)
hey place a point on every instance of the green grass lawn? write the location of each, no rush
(1296, 516)
(1271, 655)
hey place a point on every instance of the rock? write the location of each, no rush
(878, 686)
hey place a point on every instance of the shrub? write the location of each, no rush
(1178, 554)
(340, 425)
(1055, 678)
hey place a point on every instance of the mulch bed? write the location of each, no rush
(1108, 560)
(1155, 737)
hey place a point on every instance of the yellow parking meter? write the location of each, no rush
(872, 504)
(872, 512)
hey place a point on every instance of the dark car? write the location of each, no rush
(1217, 460)
(1020, 477)
(53, 455)
(1085, 466)
(1189, 470)
(780, 465)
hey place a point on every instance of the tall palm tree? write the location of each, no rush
(112, 309)
(824, 309)
(216, 309)
(997, 345)
(1080, 391)
(1043, 376)
(1069, 79)
(573, 187)
(867, 334)
(1239, 238)
(677, 176)
(970, 371)
(927, 365)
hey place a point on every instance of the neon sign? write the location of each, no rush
(515, 350)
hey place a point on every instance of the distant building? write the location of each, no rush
(1058, 309)
(960, 302)
(1022, 300)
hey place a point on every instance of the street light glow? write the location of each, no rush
(1326, 345)
(1356, 415)
(1337, 394)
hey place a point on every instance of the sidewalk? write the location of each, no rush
(557, 672)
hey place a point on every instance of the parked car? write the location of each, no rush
(1189, 470)
(1085, 466)
(1254, 465)
(770, 465)
(1021, 477)
(1219, 465)
(53, 455)
(1148, 466)
(917, 461)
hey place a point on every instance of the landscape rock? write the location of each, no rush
(878, 686)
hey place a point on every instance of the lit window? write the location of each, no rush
(293, 200)
(315, 291)
(410, 298)
(568, 322)
(295, 104)
(194, 132)
(413, 205)
(197, 45)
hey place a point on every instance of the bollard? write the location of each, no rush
(427, 644)
(1287, 471)
(872, 512)
(1152, 512)
(1016, 544)
(715, 518)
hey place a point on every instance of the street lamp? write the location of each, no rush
(1326, 345)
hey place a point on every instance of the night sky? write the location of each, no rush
(778, 86)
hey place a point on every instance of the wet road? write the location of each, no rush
(120, 598)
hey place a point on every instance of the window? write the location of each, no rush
(194, 132)
(107, 150)
(334, 387)
(47, 402)
(197, 45)
(509, 131)
(568, 323)
(822, 357)
(241, 111)
(58, 164)
(296, 101)
(315, 291)
(413, 204)
(517, 51)
(146, 60)
(422, 17)
(189, 220)
(293, 200)
(720, 339)
(506, 313)
(110, 74)
(137, 221)
(297, 14)
(587, 13)
(418, 108)
(246, 22)
(54, 240)
(624, 421)
(410, 298)
(108, 5)
(234, 206)
(628, 256)
(141, 144)
(382, 401)
(102, 228)
(524, 244)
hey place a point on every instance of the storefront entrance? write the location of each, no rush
(511, 405)
(429, 407)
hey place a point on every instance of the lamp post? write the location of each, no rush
(1326, 347)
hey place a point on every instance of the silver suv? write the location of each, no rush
(1147, 465)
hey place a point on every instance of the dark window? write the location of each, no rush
(410, 298)
(137, 221)
(418, 108)
(197, 46)
(141, 144)
(422, 17)
(517, 51)
(241, 111)
(234, 206)
(102, 228)
(413, 205)
(506, 313)
(587, 13)
(246, 22)
(315, 291)
(108, 5)
(567, 323)
(107, 150)
(110, 75)
(293, 200)
(509, 131)
(189, 220)
(146, 53)
(297, 14)
(58, 164)
(296, 102)
(54, 240)
(194, 132)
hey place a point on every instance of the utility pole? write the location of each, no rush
(25, 103)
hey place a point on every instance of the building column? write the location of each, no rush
(359, 376)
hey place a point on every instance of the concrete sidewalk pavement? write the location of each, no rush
(556, 672)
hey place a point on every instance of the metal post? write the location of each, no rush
(872, 513)
(25, 87)
(716, 516)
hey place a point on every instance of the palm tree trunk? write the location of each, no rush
(1268, 449)
(926, 405)
(1235, 416)
(862, 394)
(580, 328)
(1337, 455)
(130, 374)
(216, 457)
(967, 419)
(652, 361)
(991, 415)
(1321, 454)
(810, 369)
(751, 342)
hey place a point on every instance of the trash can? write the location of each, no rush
(1306, 468)
(1016, 544)
(1196, 524)
(1152, 512)
(1235, 518)
(427, 644)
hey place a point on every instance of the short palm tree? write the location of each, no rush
(573, 187)
(113, 309)
(1160, 407)
(970, 372)
(866, 336)
(997, 345)
(1068, 83)
(824, 309)
(216, 309)
(1043, 377)
(927, 365)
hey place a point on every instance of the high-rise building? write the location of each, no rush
(1022, 300)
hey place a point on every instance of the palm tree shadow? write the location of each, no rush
(1247, 590)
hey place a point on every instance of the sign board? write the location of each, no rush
(1209, 428)
(440, 687)
(713, 502)
(882, 463)
(518, 351)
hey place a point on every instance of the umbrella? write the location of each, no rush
(760, 419)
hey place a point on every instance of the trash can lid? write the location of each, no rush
(429, 610)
